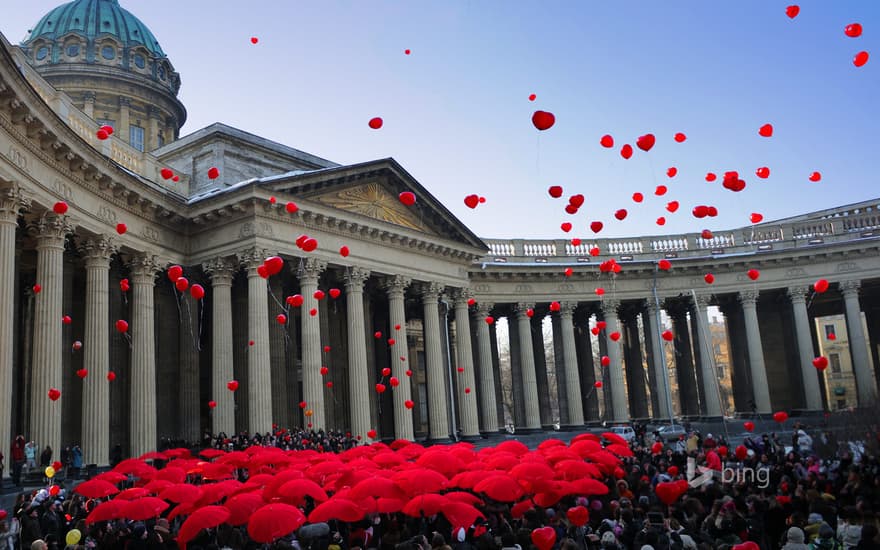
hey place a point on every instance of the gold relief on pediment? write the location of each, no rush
(374, 201)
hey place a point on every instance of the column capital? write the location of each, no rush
(610, 306)
(310, 269)
(482, 309)
(431, 291)
(221, 270)
(51, 229)
(395, 285)
(461, 296)
(566, 309)
(748, 298)
(850, 287)
(251, 258)
(797, 294)
(12, 201)
(145, 267)
(521, 309)
(702, 300)
(651, 307)
(97, 251)
(355, 277)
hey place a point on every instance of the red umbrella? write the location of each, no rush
(182, 492)
(182, 510)
(296, 490)
(106, 511)
(619, 450)
(460, 514)
(584, 447)
(110, 477)
(144, 508)
(400, 444)
(501, 461)
(274, 521)
(441, 461)
(215, 472)
(382, 505)
(584, 487)
(135, 467)
(242, 506)
(132, 494)
(156, 486)
(239, 459)
(214, 492)
(376, 487)
(467, 498)
(512, 446)
(387, 460)
(153, 455)
(337, 508)
(614, 438)
(420, 480)
(412, 450)
(520, 508)
(172, 474)
(605, 459)
(532, 471)
(425, 505)
(211, 453)
(467, 480)
(571, 470)
(500, 487)
(96, 488)
(549, 443)
(585, 437)
(178, 453)
(203, 518)
(273, 483)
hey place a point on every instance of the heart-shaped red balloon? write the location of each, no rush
(555, 191)
(664, 265)
(709, 278)
(232, 385)
(638, 197)
(576, 200)
(701, 211)
(765, 130)
(566, 226)
(672, 206)
(166, 173)
(471, 201)
(281, 319)
(544, 538)
(571, 209)
(318, 295)
(391, 341)
(815, 176)
(394, 382)
(375, 123)
(213, 173)
(657, 448)
(749, 426)
(274, 264)
(667, 335)
(596, 227)
(860, 59)
(620, 214)
(372, 434)
(386, 371)
(295, 300)
(212, 404)
(756, 218)
(679, 137)
(344, 251)
(660, 190)
(607, 141)
(669, 491)
(174, 273)
(407, 198)
(763, 172)
(820, 286)
(605, 361)
(753, 274)
(408, 404)
(380, 388)
(792, 11)
(489, 319)
(82, 373)
(710, 176)
(780, 416)
(595, 250)
(626, 151)
(741, 452)
(122, 326)
(568, 271)
(712, 211)
(554, 306)
(575, 242)
(706, 234)
(821, 363)
(672, 171)
(734, 184)
(334, 293)
(578, 516)
(310, 244)
(543, 120)
(54, 394)
(661, 221)
(646, 142)
(853, 30)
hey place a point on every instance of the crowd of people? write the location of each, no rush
(796, 499)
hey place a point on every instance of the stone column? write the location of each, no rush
(569, 360)
(541, 378)
(488, 405)
(532, 405)
(395, 286)
(281, 405)
(635, 368)
(710, 378)
(470, 422)
(586, 363)
(154, 117)
(559, 369)
(223, 415)
(259, 365)
(812, 391)
(760, 388)
(438, 415)
(96, 353)
(11, 202)
(688, 394)
(619, 405)
(865, 383)
(50, 231)
(123, 130)
(142, 436)
(313, 385)
(358, 373)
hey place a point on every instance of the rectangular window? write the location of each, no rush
(136, 137)
(829, 330)
(834, 359)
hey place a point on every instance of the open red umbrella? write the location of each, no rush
(420, 480)
(182, 492)
(571, 470)
(296, 490)
(376, 487)
(585, 437)
(500, 487)
(425, 505)
(135, 467)
(242, 506)
(400, 444)
(211, 453)
(172, 474)
(144, 508)
(441, 461)
(96, 488)
(111, 477)
(184, 509)
(552, 442)
(512, 446)
(462, 496)
(153, 455)
(337, 508)
(532, 471)
(520, 508)
(214, 492)
(460, 514)
(177, 453)
(106, 511)
(619, 450)
(274, 521)
(382, 505)
(583, 487)
(614, 438)
(467, 480)
(132, 494)
(387, 459)
(156, 486)
(501, 461)
(584, 447)
(273, 483)
(203, 518)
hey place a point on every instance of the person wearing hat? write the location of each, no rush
(811, 530)
(609, 541)
(795, 540)
(825, 539)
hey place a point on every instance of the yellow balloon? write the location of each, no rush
(73, 537)
(50, 472)
(309, 412)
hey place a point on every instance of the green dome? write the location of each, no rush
(95, 18)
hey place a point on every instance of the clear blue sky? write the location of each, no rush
(457, 113)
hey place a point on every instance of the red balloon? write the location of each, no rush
(664, 265)
(77, 345)
(60, 208)
(274, 265)
(554, 306)
(121, 228)
(605, 361)
(391, 341)
(600, 291)
(281, 319)
(37, 289)
(792, 11)
(54, 394)
(334, 293)
(741, 452)
(566, 226)
(706, 234)
(597, 384)
(765, 130)
(596, 227)
(555, 191)
(66, 320)
(394, 381)
(372, 434)
(212, 404)
(672, 206)
(543, 120)
(626, 151)
(111, 376)
(700, 211)
(601, 325)
(710, 176)
(213, 173)
(380, 388)
(375, 123)
(182, 283)
(749, 426)
(471, 201)
(615, 336)
(712, 211)
(638, 197)
(780, 416)
(669, 491)
(303, 405)
(166, 173)
(709, 278)
(324, 371)
(122, 326)
(107, 128)
(815, 176)
(407, 51)
(291, 207)
(408, 404)
(310, 244)
(607, 141)
(672, 171)
(344, 251)
(661, 221)
(232, 385)
(490, 319)
(620, 214)
(667, 335)
(595, 250)
(853, 30)
(530, 313)
(646, 142)
(576, 200)
(175, 179)
(102, 135)
(318, 295)
(763, 172)
(672, 470)
(571, 209)
(578, 516)
(820, 286)
(532, 97)
(756, 218)
(296, 300)
(544, 538)
(679, 137)
(408, 198)
(660, 190)
(124, 286)
(197, 291)
(753, 274)
(575, 242)
(821, 363)
(254, 40)
(860, 58)
(174, 273)
(82, 373)
(657, 448)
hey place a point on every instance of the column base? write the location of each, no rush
(548, 427)
(438, 441)
(571, 427)
(527, 431)
(471, 438)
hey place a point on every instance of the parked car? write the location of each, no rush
(670, 432)
(625, 432)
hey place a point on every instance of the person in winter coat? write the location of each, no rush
(825, 539)
(795, 540)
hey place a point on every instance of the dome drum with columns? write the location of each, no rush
(410, 275)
